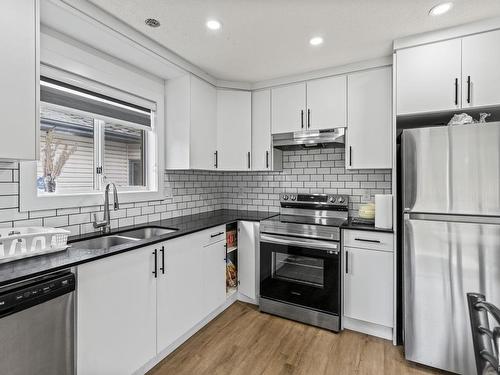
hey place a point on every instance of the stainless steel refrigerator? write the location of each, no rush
(451, 238)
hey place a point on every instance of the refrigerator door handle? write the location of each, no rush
(471, 219)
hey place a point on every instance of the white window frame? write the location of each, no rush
(30, 199)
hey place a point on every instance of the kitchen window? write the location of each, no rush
(88, 139)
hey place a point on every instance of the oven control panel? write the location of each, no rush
(297, 199)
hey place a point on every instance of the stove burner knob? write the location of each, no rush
(285, 197)
(293, 197)
(341, 200)
(332, 199)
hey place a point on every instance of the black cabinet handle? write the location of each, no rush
(365, 240)
(302, 118)
(308, 118)
(456, 91)
(350, 156)
(216, 153)
(216, 234)
(267, 159)
(248, 154)
(155, 271)
(162, 268)
(468, 89)
(346, 262)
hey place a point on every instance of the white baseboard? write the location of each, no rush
(368, 328)
(165, 352)
(243, 298)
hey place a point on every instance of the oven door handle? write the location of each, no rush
(331, 247)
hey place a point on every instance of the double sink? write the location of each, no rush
(122, 238)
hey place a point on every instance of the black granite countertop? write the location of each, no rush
(24, 268)
(370, 227)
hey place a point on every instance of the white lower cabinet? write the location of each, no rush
(368, 288)
(214, 275)
(128, 315)
(179, 289)
(116, 313)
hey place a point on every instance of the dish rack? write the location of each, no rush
(16, 243)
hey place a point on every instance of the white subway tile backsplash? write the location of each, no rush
(305, 171)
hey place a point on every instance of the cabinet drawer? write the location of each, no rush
(213, 235)
(369, 240)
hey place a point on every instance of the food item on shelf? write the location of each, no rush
(231, 274)
(231, 238)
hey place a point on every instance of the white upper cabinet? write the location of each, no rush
(480, 68)
(326, 103)
(234, 129)
(19, 75)
(369, 135)
(428, 77)
(191, 126)
(261, 130)
(288, 108)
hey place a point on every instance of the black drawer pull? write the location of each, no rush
(155, 271)
(365, 240)
(162, 268)
(216, 234)
(346, 262)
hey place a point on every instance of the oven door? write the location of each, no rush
(301, 271)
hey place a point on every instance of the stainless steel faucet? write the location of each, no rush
(105, 223)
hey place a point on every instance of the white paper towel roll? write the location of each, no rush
(383, 211)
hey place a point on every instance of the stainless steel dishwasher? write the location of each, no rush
(37, 326)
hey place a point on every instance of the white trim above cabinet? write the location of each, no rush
(369, 135)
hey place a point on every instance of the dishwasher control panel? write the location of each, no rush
(26, 294)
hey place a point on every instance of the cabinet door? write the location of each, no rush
(369, 135)
(261, 130)
(234, 129)
(178, 122)
(214, 276)
(427, 77)
(203, 124)
(19, 75)
(326, 103)
(288, 108)
(368, 285)
(247, 255)
(179, 289)
(116, 313)
(480, 62)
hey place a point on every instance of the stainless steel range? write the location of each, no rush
(300, 259)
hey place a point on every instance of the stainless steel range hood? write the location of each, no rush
(310, 139)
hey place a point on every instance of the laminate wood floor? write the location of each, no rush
(243, 341)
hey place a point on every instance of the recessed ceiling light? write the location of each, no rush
(152, 22)
(213, 24)
(439, 9)
(316, 41)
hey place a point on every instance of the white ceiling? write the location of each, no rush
(264, 39)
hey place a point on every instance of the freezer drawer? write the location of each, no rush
(452, 169)
(443, 261)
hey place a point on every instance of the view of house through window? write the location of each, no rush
(86, 142)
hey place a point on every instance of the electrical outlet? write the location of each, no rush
(168, 192)
(366, 197)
